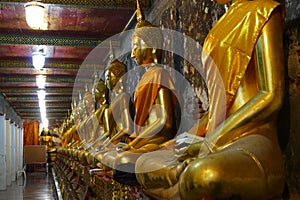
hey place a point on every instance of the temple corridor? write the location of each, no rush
(149, 99)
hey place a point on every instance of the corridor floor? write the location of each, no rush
(38, 186)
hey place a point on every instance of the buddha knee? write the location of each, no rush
(117, 160)
(229, 174)
(199, 180)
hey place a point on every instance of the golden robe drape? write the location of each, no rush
(147, 90)
(227, 53)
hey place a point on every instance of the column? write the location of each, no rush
(8, 155)
(2, 153)
(19, 149)
(21, 139)
(13, 151)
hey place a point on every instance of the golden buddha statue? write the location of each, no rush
(89, 101)
(154, 125)
(240, 157)
(112, 115)
(82, 111)
(81, 108)
(46, 138)
(119, 101)
(87, 128)
(75, 113)
(65, 124)
(154, 100)
(100, 92)
(87, 125)
(69, 134)
(116, 119)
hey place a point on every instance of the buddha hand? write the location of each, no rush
(191, 151)
(127, 147)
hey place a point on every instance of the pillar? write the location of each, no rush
(13, 151)
(8, 155)
(20, 148)
(2, 153)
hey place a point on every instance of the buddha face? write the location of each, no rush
(140, 52)
(100, 93)
(113, 73)
(110, 79)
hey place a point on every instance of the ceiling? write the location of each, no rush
(74, 29)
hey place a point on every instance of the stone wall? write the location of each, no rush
(292, 150)
(184, 16)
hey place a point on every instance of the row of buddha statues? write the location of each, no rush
(134, 140)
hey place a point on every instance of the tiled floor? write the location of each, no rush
(38, 186)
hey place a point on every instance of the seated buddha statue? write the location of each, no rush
(97, 119)
(119, 110)
(154, 101)
(100, 93)
(69, 135)
(239, 157)
(86, 127)
(110, 93)
(89, 101)
(46, 138)
(92, 121)
(82, 114)
(109, 124)
(116, 117)
(74, 112)
(89, 104)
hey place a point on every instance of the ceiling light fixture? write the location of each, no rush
(41, 81)
(38, 60)
(42, 104)
(35, 13)
(45, 122)
(43, 112)
(41, 94)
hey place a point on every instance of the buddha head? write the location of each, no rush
(81, 108)
(147, 41)
(113, 73)
(89, 100)
(100, 92)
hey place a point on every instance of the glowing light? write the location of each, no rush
(41, 81)
(41, 94)
(38, 60)
(35, 13)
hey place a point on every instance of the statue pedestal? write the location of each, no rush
(105, 187)
(79, 180)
